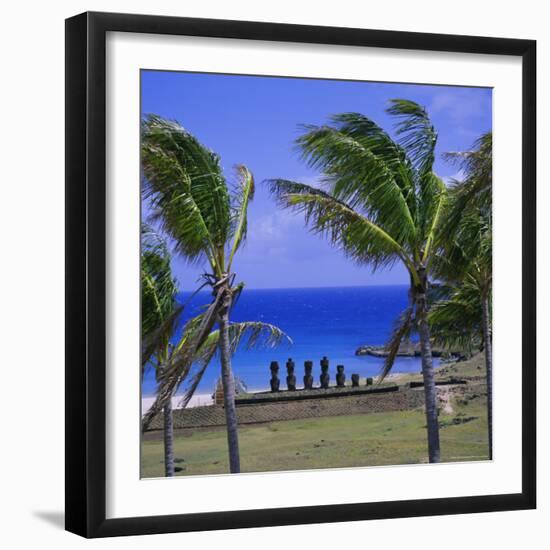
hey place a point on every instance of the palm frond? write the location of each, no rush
(244, 194)
(194, 384)
(358, 237)
(464, 245)
(463, 260)
(158, 286)
(456, 322)
(195, 333)
(401, 329)
(252, 333)
(237, 292)
(434, 198)
(372, 137)
(159, 309)
(355, 174)
(205, 355)
(476, 163)
(418, 138)
(185, 185)
(474, 191)
(160, 336)
(416, 132)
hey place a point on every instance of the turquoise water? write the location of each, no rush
(321, 321)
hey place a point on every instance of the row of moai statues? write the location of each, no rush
(308, 377)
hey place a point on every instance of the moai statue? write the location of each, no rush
(291, 378)
(308, 378)
(325, 377)
(340, 376)
(275, 382)
(355, 380)
(369, 381)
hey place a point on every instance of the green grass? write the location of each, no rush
(473, 368)
(332, 442)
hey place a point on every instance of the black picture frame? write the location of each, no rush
(86, 274)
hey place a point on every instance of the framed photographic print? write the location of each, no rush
(294, 293)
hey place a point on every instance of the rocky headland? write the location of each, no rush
(407, 349)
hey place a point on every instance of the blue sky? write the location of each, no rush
(254, 120)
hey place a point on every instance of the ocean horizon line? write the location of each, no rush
(335, 287)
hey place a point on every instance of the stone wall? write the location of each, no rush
(211, 416)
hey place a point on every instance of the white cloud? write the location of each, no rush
(458, 106)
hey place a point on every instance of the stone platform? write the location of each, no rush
(403, 398)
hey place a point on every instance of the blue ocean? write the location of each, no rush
(321, 321)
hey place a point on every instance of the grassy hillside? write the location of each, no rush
(473, 369)
(337, 442)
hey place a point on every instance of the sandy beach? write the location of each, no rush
(197, 400)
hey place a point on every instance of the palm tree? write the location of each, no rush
(463, 317)
(191, 198)
(465, 256)
(159, 310)
(251, 334)
(381, 203)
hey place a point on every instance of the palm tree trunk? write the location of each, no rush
(430, 391)
(168, 434)
(488, 347)
(228, 383)
(168, 439)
